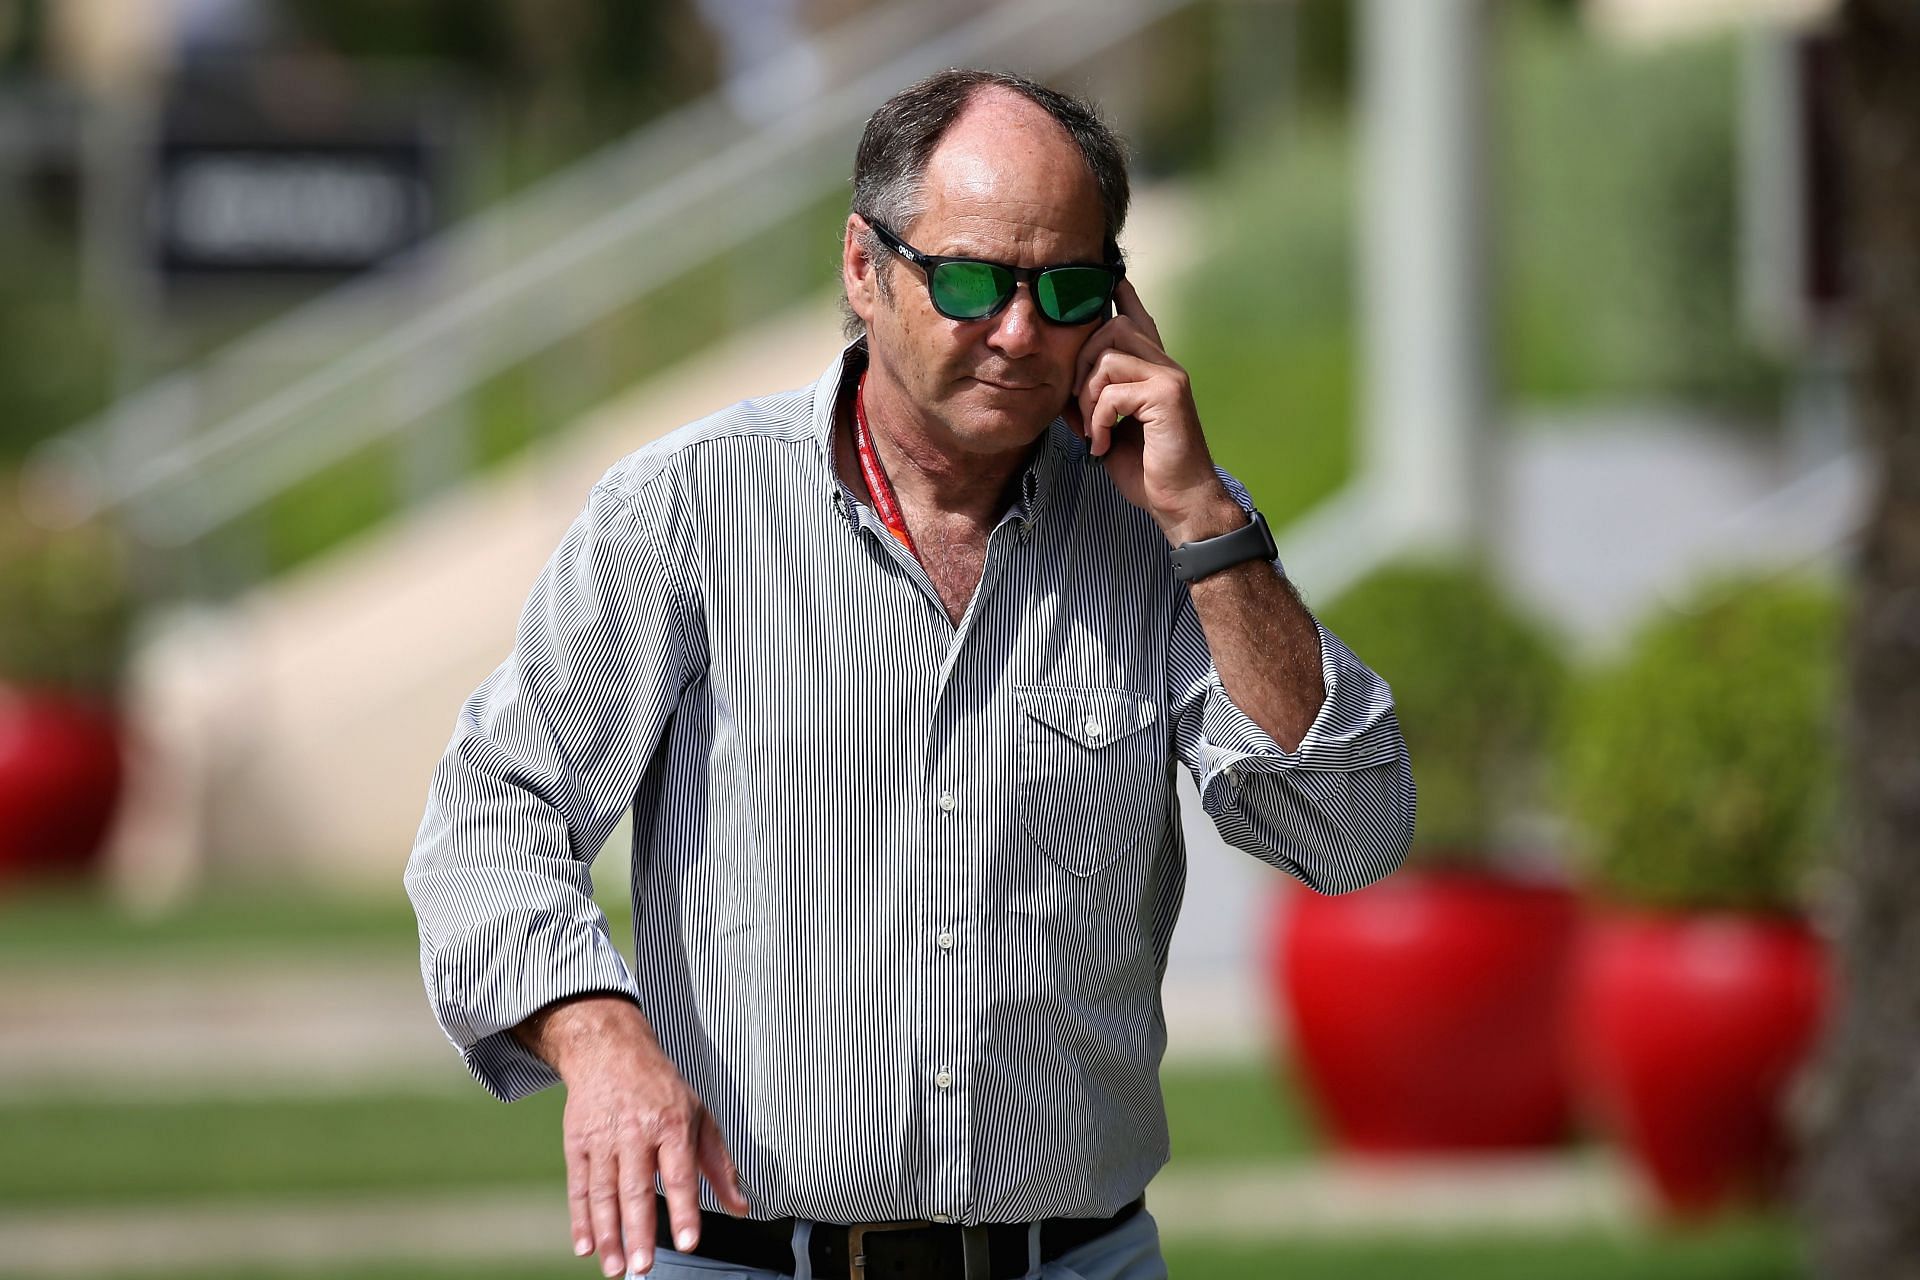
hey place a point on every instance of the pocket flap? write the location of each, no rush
(1094, 718)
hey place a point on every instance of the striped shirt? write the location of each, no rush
(903, 889)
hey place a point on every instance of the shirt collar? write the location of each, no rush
(1037, 481)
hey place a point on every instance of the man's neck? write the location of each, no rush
(929, 479)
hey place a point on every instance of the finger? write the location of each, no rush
(1123, 337)
(1101, 420)
(680, 1179)
(1097, 435)
(1126, 301)
(1115, 366)
(579, 1215)
(1099, 344)
(1135, 340)
(636, 1204)
(1116, 402)
(717, 1163)
(603, 1204)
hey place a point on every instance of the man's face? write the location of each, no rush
(1006, 184)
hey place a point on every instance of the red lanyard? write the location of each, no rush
(877, 485)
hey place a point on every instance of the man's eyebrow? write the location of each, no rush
(962, 250)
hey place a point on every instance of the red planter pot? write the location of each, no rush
(1427, 1012)
(60, 780)
(1689, 1029)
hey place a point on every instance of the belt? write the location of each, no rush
(891, 1250)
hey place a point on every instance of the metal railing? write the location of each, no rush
(389, 354)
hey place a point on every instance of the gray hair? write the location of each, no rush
(890, 168)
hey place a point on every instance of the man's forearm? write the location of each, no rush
(1265, 646)
(1263, 639)
(575, 1029)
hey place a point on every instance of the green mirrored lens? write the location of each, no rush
(969, 290)
(1074, 295)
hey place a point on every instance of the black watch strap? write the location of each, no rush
(1253, 541)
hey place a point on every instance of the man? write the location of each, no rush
(894, 672)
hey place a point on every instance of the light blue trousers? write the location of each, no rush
(1131, 1251)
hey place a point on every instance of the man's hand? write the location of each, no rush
(1264, 642)
(628, 1115)
(1158, 458)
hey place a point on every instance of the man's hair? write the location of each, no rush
(890, 168)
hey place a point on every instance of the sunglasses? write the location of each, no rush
(974, 289)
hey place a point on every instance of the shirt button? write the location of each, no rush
(1094, 728)
(946, 942)
(944, 1079)
(947, 801)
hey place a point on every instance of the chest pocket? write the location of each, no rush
(1093, 779)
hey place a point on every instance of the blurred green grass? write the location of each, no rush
(78, 924)
(74, 1151)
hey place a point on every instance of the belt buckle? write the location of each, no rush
(857, 1242)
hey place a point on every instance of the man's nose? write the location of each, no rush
(1016, 330)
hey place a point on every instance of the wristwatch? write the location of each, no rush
(1252, 541)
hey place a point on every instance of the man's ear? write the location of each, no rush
(857, 269)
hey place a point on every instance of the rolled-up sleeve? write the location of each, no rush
(545, 758)
(1338, 811)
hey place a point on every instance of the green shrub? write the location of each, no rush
(1476, 685)
(1700, 767)
(65, 604)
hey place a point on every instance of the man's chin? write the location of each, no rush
(1017, 416)
(1001, 431)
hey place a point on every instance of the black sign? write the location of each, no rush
(237, 190)
(334, 210)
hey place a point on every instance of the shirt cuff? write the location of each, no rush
(494, 976)
(1339, 738)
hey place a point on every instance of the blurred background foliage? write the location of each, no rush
(538, 86)
(1617, 221)
(1615, 218)
(1700, 767)
(67, 605)
(1476, 686)
(1616, 278)
(551, 78)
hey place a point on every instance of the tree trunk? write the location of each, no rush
(1862, 1188)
